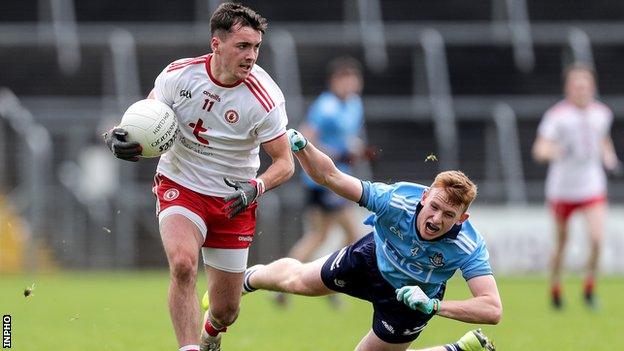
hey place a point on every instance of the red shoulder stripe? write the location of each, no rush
(253, 91)
(262, 89)
(194, 61)
(261, 94)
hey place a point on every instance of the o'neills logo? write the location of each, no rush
(162, 121)
(231, 116)
(171, 194)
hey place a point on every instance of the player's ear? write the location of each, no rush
(424, 195)
(464, 216)
(214, 44)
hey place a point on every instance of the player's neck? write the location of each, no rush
(581, 105)
(219, 73)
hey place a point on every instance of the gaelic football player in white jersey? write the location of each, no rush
(207, 185)
(574, 139)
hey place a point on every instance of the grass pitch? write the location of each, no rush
(127, 311)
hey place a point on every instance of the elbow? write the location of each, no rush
(537, 156)
(495, 315)
(290, 170)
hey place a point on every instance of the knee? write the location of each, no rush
(183, 269)
(295, 279)
(224, 315)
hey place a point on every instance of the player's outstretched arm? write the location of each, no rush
(322, 169)
(484, 307)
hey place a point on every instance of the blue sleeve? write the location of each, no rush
(477, 264)
(358, 122)
(315, 115)
(376, 196)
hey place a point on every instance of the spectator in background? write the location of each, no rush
(574, 139)
(334, 124)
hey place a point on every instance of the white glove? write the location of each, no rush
(416, 299)
(297, 141)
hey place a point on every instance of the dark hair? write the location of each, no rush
(344, 65)
(578, 66)
(230, 14)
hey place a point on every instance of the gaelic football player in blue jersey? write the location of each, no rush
(421, 236)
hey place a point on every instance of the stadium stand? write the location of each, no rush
(480, 48)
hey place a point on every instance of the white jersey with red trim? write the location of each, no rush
(221, 126)
(579, 174)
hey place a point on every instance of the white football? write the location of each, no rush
(152, 124)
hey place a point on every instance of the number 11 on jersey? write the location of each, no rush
(207, 105)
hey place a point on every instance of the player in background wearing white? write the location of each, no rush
(334, 124)
(227, 107)
(421, 237)
(574, 139)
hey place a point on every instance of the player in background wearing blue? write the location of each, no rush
(334, 125)
(421, 236)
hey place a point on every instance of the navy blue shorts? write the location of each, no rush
(353, 271)
(326, 200)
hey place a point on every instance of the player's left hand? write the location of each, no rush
(416, 299)
(247, 192)
(297, 141)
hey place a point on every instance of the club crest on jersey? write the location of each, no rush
(437, 259)
(231, 116)
(171, 194)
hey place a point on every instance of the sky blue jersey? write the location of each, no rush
(403, 257)
(336, 122)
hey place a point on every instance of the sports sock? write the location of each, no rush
(189, 348)
(246, 286)
(555, 290)
(588, 287)
(213, 330)
(453, 347)
(555, 295)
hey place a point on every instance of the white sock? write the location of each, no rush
(189, 348)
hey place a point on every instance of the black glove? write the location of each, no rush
(247, 192)
(115, 139)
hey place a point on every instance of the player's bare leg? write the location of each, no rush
(182, 240)
(224, 291)
(371, 342)
(290, 276)
(561, 228)
(595, 218)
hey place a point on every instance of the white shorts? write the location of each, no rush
(228, 260)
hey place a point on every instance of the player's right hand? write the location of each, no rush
(297, 141)
(416, 299)
(115, 139)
